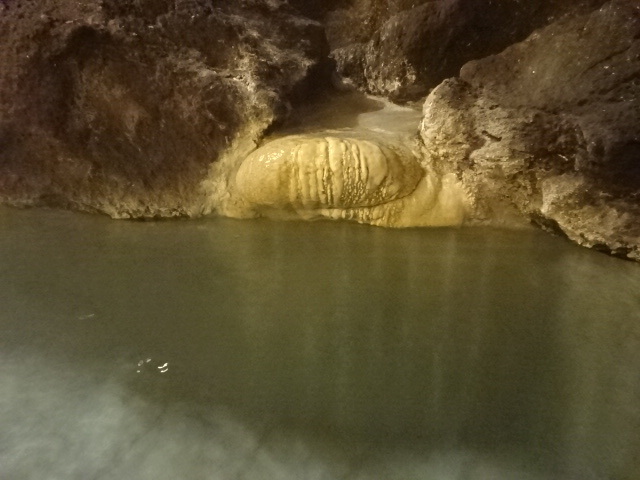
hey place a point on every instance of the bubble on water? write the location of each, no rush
(147, 366)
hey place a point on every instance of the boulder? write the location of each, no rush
(550, 129)
(122, 106)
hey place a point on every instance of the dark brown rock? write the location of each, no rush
(317, 9)
(550, 128)
(357, 21)
(122, 106)
(419, 44)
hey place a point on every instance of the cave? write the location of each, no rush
(341, 239)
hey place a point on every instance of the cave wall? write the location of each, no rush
(121, 106)
(145, 108)
(550, 128)
(404, 48)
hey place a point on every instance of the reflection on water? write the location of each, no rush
(221, 349)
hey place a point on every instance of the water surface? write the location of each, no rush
(223, 349)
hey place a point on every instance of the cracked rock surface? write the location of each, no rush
(121, 107)
(403, 49)
(550, 129)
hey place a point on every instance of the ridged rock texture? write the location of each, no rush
(368, 181)
(550, 129)
(327, 172)
(121, 106)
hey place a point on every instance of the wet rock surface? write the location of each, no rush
(328, 172)
(550, 128)
(349, 175)
(122, 106)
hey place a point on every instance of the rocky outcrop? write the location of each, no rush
(402, 49)
(121, 106)
(550, 129)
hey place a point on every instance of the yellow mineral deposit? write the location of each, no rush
(352, 178)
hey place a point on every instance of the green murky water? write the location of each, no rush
(222, 349)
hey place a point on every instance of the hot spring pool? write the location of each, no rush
(221, 349)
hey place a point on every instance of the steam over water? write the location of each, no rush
(221, 349)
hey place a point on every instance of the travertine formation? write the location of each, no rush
(346, 178)
(327, 172)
